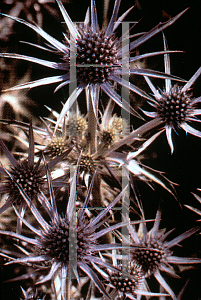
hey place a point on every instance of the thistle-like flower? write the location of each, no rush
(158, 255)
(26, 173)
(71, 131)
(48, 141)
(130, 286)
(125, 284)
(128, 283)
(100, 59)
(175, 105)
(112, 127)
(65, 243)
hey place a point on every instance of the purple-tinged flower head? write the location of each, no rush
(131, 285)
(175, 105)
(66, 243)
(128, 281)
(26, 174)
(101, 59)
(150, 258)
(28, 177)
(95, 48)
(55, 243)
(128, 284)
(158, 254)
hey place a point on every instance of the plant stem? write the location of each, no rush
(92, 125)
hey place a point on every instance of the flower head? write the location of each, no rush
(157, 254)
(127, 284)
(95, 48)
(112, 127)
(56, 241)
(26, 174)
(128, 281)
(175, 105)
(57, 146)
(66, 242)
(96, 55)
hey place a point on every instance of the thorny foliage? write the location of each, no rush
(79, 176)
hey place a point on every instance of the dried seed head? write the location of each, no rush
(120, 125)
(174, 107)
(57, 146)
(87, 163)
(95, 48)
(28, 177)
(127, 284)
(107, 137)
(116, 129)
(151, 257)
(76, 125)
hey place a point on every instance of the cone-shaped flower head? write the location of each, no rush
(158, 255)
(128, 284)
(26, 173)
(97, 57)
(69, 242)
(175, 105)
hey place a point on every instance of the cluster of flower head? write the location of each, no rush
(67, 176)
